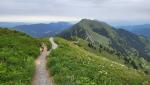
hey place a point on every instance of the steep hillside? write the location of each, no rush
(133, 49)
(17, 54)
(43, 30)
(85, 30)
(71, 65)
(139, 29)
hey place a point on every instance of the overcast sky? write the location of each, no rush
(134, 11)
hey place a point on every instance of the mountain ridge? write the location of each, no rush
(100, 35)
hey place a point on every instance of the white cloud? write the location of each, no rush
(106, 10)
(37, 18)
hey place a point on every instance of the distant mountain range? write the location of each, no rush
(37, 30)
(43, 30)
(139, 29)
(11, 24)
(131, 48)
(51, 29)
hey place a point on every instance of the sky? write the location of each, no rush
(112, 11)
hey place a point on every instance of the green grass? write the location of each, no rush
(17, 54)
(72, 65)
(46, 41)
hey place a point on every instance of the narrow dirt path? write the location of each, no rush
(54, 45)
(41, 76)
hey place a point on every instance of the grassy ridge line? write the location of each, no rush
(71, 65)
(17, 54)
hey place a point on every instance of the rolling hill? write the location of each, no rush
(139, 29)
(43, 30)
(134, 50)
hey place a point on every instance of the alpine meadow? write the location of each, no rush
(74, 42)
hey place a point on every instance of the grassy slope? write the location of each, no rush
(121, 45)
(17, 54)
(84, 44)
(72, 65)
